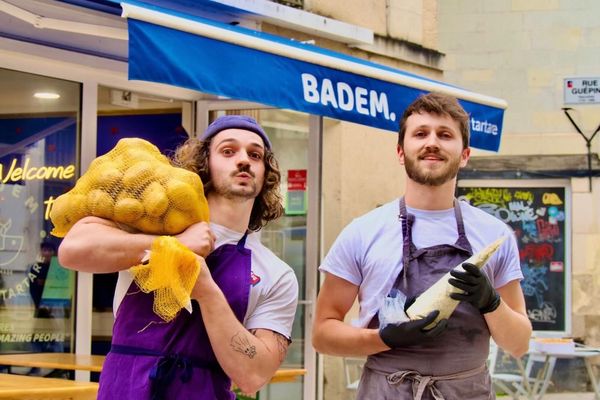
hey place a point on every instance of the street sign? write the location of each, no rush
(582, 90)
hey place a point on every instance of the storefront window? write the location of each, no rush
(39, 132)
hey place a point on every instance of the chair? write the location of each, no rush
(523, 383)
(353, 370)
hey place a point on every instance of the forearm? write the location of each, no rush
(511, 330)
(248, 360)
(97, 245)
(330, 334)
(335, 337)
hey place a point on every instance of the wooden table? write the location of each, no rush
(94, 363)
(29, 387)
(54, 360)
(34, 387)
(284, 375)
(287, 375)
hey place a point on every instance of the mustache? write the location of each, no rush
(427, 153)
(245, 169)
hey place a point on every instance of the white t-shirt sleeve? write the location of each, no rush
(277, 306)
(508, 265)
(345, 256)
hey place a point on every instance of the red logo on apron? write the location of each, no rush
(254, 279)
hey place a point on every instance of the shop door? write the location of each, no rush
(165, 122)
(294, 236)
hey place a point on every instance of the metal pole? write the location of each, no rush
(590, 155)
(589, 158)
(588, 144)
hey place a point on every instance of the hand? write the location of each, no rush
(198, 238)
(412, 332)
(477, 288)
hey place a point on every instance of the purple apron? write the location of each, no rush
(151, 359)
(450, 366)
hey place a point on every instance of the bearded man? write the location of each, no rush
(245, 297)
(404, 247)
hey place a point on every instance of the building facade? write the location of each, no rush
(334, 170)
(66, 99)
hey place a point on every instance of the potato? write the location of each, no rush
(138, 175)
(176, 221)
(128, 210)
(181, 194)
(155, 199)
(101, 204)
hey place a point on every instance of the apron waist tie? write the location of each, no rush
(420, 383)
(163, 372)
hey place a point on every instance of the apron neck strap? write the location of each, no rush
(407, 221)
(462, 240)
(460, 225)
(241, 244)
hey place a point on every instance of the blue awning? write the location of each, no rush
(188, 51)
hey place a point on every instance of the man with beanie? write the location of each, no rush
(244, 299)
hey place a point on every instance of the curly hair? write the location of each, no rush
(438, 104)
(194, 154)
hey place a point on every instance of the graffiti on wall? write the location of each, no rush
(537, 216)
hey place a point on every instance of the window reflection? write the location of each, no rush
(38, 162)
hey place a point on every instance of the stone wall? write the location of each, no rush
(521, 51)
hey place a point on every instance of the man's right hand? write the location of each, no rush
(198, 238)
(412, 332)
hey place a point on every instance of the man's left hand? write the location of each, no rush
(477, 288)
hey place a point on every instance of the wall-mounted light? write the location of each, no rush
(46, 95)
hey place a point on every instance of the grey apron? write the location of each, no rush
(451, 366)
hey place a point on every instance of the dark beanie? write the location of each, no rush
(235, 122)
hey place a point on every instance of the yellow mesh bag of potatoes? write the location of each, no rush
(135, 185)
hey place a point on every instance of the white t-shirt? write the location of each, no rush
(368, 252)
(273, 294)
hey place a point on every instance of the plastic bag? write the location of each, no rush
(392, 309)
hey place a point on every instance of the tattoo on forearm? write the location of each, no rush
(282, 345)
(241, 344)
(281, 341)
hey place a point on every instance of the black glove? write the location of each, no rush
(411, 332)
(477, 288)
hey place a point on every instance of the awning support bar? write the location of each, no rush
(41, 22)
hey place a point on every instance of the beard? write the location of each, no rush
(431, 176)
(229, 190)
